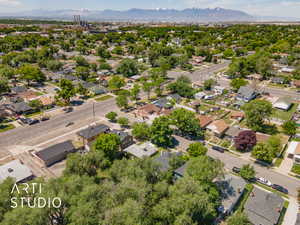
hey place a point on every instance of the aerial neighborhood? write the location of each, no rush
(151, 124)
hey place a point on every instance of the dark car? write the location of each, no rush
(236, 169)
(219, 149)
(45, 118)
(69, 124)
(280, 188)
(32, 121)
(68, 110)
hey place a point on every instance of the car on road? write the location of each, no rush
(69, 124)
(236, 169)
(264, 181)
(45, 118)
(280, 188)
(68, 110)
(218, 148)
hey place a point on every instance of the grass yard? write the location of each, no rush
(33, 114)
(296, 169)
(6, 127)
(285, 115)
(103, 98)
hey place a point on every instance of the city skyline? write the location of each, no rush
(282, 8)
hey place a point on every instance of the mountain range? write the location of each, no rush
(147, 15)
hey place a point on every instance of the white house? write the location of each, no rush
(283, 103)
(293, 151)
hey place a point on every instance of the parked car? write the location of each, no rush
(45, 118)
(68, 110)
(32, 121)
(264, 181)
(69, 124)
(280, 188)
(219, 149)
(236, 169)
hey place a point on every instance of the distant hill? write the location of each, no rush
(146, 15)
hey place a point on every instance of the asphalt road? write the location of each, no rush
(38, 133)
(230, 160)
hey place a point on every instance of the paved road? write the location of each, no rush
(230, 160)
(35, 134)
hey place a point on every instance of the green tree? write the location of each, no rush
(196, 149)
(116, 83)
(3, 85)
(238, 218)
(161, 133)
(141, 131)
(204, 169)
(247, 172)
(237, 83)
(36, 104)
(123, 121)
(208, 84)
(134, 92)
(54, 65)
(289, 128)
(112, 116)
(128, 68)
(147, 87)
(31, 73)
(182, 86)
(122, 101)
(82, 72)
(66, 91)
(81, 61)
(82, 90)
(186, 122)
(109, 144)
(103, 53)
(262, 152)
(257, 112)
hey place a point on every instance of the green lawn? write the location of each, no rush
(103, 98)
(283, 211)
(285, 115)
(33, 114)
(6, 127)
(296, 169)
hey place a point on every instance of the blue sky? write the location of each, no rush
(289, 8)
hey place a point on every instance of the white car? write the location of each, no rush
(264, 181)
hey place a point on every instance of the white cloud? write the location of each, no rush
(10, 3)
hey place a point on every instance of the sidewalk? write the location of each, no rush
(291, 213)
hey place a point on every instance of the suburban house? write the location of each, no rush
(28, 95)
(218, 127)
(293, 151)
(174, 97)
(148, 111)
(231, 189)
(47, 100)
(145, 149)
(283, 103)
(200, 95)
(178, 173)
(163, 103)
(20, 108)
(18, 89)
(237, 115)
(16, 170)
(205, 120)
(164, 159)
(232, 132)
(263, 207)
(91, 133)
(277, 80)
(297, 83)
(125, 138)
(246, 94)
(219, 89)
(55, 153)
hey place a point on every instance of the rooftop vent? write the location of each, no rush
(10, 170)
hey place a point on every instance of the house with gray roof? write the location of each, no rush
(16, 170)
(164, 159)
(178, 173)
(246, 94)
(55, 153)
(18, 89)
(145, 149)
(91, 133)
(125, 138)
(263, 208)
(231, 189)
(20, 108)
